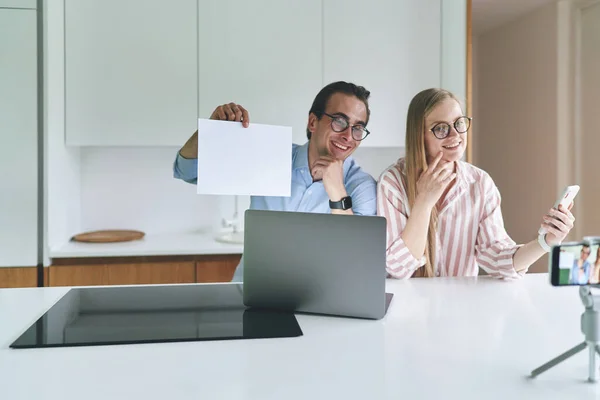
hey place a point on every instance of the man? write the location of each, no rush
(580, 273)
(325, 178)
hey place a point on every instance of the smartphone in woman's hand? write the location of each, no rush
(565, 199)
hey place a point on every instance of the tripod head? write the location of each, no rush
(592, 239)
(590, 300)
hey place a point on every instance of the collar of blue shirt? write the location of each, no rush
(300, 158)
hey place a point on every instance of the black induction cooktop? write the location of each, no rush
(151, 314)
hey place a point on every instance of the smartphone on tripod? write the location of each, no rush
(575, 264)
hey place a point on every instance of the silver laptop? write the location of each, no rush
(316, 263)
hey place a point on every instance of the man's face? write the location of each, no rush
(341, 108)
(585, 253)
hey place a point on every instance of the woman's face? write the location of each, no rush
(443, 118)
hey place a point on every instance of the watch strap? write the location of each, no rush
(344, 203)
(543, 243)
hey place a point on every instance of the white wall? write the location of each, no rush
(454, 47)
(375, 159)
(517, 108)
(134, 188)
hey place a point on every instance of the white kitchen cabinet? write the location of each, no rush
(18, 138)
(263, 54)
(392, 48)
(22, 4)
(131, 72)
(139, 73)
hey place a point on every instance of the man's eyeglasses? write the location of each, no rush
(442, 130)
(340, 124)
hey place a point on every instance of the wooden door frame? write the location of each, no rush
(570, 106)
(469, 88)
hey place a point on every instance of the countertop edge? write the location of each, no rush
(185, 244)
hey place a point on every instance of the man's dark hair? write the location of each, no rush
(320, 102)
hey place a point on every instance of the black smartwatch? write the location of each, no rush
(344, 204)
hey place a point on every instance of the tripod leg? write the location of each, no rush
(593, 377)
(592, 363)
(559, 359)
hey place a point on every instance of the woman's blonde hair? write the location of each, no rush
(416, 161)
(595, 274)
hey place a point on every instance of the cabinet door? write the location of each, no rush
(18, 277)
(263, 54)
(18, 138)
(117, 273)
(216, 268)
(392, 48)
(18, 4)
(131, 72)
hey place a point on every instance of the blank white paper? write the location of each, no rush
(233, 160)
(566, 260)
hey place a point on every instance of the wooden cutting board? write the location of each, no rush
(108, 236)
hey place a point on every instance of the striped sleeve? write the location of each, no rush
(494, 248)
(391, 199)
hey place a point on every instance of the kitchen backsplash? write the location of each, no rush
(134, 188)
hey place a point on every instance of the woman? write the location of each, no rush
(595, 273)
(443, 214)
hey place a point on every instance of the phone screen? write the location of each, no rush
(575, 264)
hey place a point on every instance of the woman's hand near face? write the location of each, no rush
(434, 180)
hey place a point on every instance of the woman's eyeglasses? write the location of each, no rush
(340, 124)
(442, 130)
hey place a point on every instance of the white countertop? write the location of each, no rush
(443, 338)
(201, 243)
